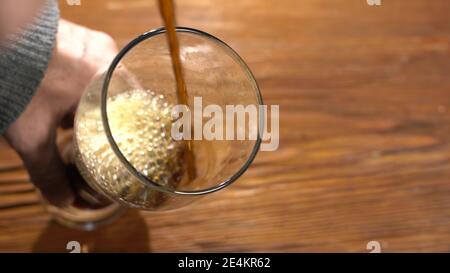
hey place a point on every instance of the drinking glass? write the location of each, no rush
(145, 167)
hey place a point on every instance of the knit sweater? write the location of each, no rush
(24, 62)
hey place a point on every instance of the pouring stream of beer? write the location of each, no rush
(167, 10)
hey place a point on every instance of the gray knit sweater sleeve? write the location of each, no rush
(23, 63)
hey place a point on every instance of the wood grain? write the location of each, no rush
(364, 147)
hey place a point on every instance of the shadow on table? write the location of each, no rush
(127, 234)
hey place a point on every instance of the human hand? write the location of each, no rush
(78, 54)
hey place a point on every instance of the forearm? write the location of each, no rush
(23, 63)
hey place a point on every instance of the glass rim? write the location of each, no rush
(142, 178)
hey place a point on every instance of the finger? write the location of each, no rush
(48, 173)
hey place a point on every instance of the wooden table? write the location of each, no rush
(364, 93)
